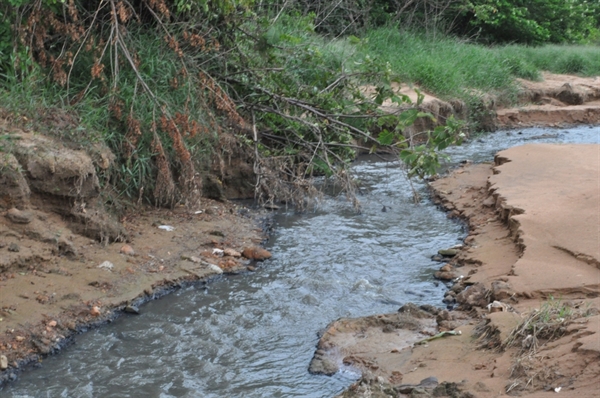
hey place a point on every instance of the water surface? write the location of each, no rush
(253, 335)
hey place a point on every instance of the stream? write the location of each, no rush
(254, 334)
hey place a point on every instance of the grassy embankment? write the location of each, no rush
(443, 66)
(450, 67)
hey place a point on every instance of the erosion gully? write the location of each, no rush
(253, 335)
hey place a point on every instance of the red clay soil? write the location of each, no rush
(531, 258)
(556, 100)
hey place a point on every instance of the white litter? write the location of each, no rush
(218, 252)
(215, 268)
(107, 265)
(557, 389)
(166, 227)
(199, 212)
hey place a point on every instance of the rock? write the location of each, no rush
(54, 169)
(251, 268)
(322, 364)
(501, 290)
(474, 296)
(449, 299)
(418, 312)
(256, 253)
(13, 247)
(447, 268)
(231, 253)
(448, 252)
(52, 324)
(437, 257)
(127, 250)
(3, 362)
(43, 345)
(66, 247)
(132, 309)
(489, 202)
(95, 311)
(18, 216)
(270, 206)
(571, 95)
(15, 190)
(426, 384)
(450, 320)
(445, 276)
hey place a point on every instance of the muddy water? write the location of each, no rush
(253, 335)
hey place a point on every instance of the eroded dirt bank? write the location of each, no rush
(526, 291)
(557, 100)
(66, 264)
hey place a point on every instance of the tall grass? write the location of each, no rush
(453, 68)
(442, 65)
(569, 59)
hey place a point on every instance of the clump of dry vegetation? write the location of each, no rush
(537, 329)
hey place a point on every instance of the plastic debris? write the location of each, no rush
(107, 265)
(439, 335)
(166, 227)
(215, 268)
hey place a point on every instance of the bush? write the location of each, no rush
(531, 22)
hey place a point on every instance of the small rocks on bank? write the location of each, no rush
(127, 250)
(18, 216)
(446, 273)
(448, 252)
(256, 253)
(131, 309)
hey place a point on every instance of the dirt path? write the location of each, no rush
(530, 266)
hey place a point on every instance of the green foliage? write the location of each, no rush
(582, 60)
(424, 160)
(165, 86)
(533, 22)
(443, 65)
(522, 68)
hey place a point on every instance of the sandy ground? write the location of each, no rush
(67, 264)
(46, 295)
(533, 254)
(557, 100)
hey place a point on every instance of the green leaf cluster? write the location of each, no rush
(533, 21)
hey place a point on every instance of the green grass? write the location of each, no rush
(452, 68)
(288, 56)
(444, 66)
(568, 59)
